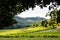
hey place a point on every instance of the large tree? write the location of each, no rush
(55, 15)
(9, 8)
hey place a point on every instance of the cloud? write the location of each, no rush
(37, 12)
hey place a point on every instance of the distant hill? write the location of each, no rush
(28, 20)
(25, 22)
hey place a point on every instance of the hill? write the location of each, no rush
(28, 21)
(25, 22)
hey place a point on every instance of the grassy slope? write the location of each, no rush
(21, 31)
(35, 38)
(30, 34)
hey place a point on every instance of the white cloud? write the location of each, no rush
(37, 12)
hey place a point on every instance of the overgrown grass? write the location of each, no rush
(20, 31)
(35, 38)
(36, 33)
(30, 32)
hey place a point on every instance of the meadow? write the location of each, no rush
(27, 38)
(33, 33)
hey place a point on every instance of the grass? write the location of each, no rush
(35, 38)
(30, 32)
(20, 31)
(36, 33)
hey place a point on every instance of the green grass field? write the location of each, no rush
(36, 33)
(35, 38)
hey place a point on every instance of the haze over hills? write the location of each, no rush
(28, 20)
(25, 22)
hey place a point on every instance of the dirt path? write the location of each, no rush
(58, 27)
(52, 30)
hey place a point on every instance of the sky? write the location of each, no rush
(37, 12)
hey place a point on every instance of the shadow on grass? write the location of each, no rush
(51, 36)
(9, 36)
(27, 36)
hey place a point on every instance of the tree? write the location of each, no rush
(44, 23)
(58, 16)
(55, 15)
(9, 8)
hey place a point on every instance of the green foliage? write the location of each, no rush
(44, 23)
(58, 16)
(36, 24)
(55, 15)
(49, 23)
(58, 24)
(9, 8)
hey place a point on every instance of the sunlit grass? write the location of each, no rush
(30, 32)
(20, 31)
(36, 29)
(27, 38)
